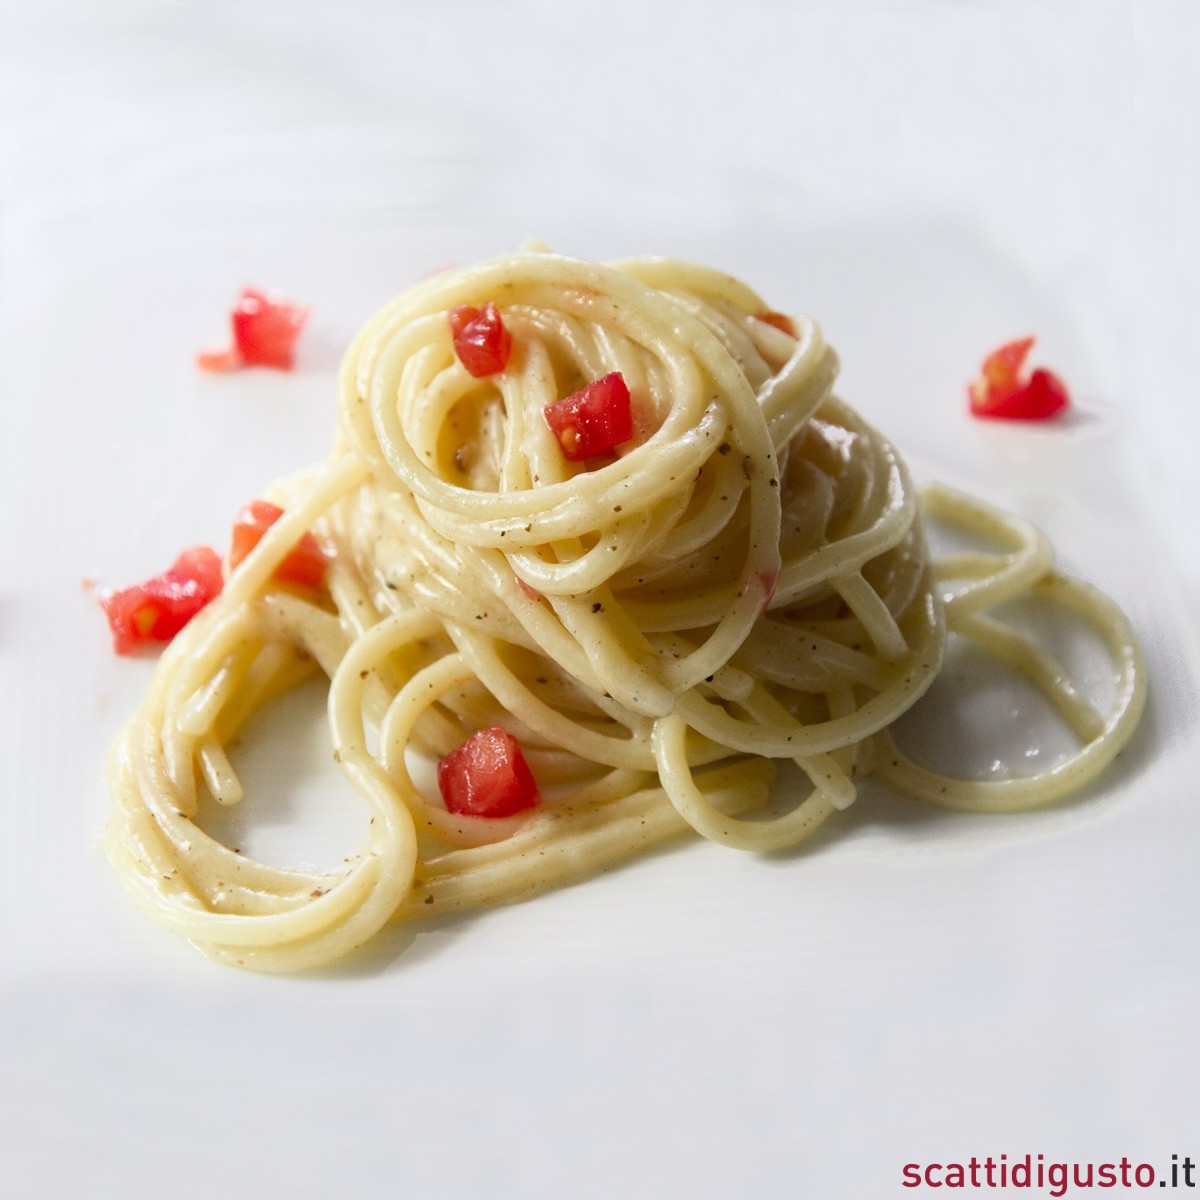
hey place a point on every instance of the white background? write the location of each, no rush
(928, 178)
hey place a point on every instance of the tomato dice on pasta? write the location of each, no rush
(481, 340)
(487, 776)
(303, 565)
(595, 420)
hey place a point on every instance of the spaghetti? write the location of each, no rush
(744, 581)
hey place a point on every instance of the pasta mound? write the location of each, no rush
(744, 581)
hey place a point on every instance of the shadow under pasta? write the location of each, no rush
(983, 720)
(298, 810)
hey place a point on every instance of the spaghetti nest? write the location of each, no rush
(744, 581)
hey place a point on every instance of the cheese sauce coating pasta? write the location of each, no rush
(744, 581)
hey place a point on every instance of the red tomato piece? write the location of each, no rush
(778, 319)
(304, 564)
(487, 776)
(481, 341)
(219, 362)
(1045, 394)
(265, 330)
(1004, 364)
(1002, 392)
(155, 611)
(594, 420)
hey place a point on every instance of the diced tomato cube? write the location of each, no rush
(487, 776)
(304, 564)
(1046, 394)
(1001, 392)
(481, 341)
(1004, 364)
(155, 611)
(265, 330)
(779, 320)
(594, 420)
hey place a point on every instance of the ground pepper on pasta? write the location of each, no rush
(743, 580)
